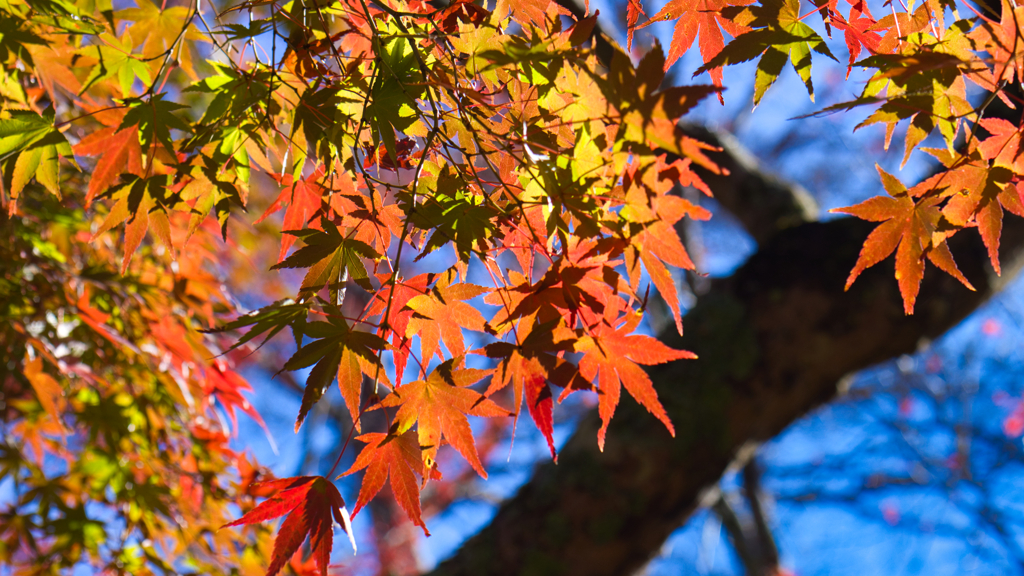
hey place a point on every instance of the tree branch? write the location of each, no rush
(762, 202)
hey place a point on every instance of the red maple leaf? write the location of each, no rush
(525, 235)
(858, 30)
(577, 285)
(394, 456)
(461, 11)
(380, 156)
(227, 386)
(390, 304)
(699, 20)
(303, 199)
(312, 504)
(528, 377)
(634, 8)
(528, 367)
(119, 152)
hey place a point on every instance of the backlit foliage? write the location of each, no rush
(381, 153)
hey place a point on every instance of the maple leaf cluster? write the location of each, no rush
(467, 211)
(405, 149)
(922, 68)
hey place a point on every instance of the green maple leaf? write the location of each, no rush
(337, 351)
(269, 320)
(235, 92)
(778, 36)
(115, 60)
(155, 120)
(36, 147)
(393, 98)
(14, 41)
(455, 213)
(328, 255)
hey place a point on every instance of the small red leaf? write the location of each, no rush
(312, 503)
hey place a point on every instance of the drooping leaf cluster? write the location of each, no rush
(922, 66)
(921, 69)
(465, 212)
(398, 149)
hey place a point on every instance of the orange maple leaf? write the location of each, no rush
(911, 229)
(394, 456)
(1003, 147)
(612, 357)
(441, 315)
(438, 406)
(119, 152)
(1002, 41)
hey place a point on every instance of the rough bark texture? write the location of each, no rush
(774, 339)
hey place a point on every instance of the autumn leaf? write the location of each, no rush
(157, 30)
(133, 204)
(114, 59)
(1003, 147)
(634, 9)
(48, 390)
(911, 229)
(612, 357)
(778, 34)
(312, 504)
(657, 243)
(389, 303)
(227, 386)
(579, 285)
(337, 351)
(302, 196)
(927, 88)
(528, 369)
(857, 30)
(268, 320)
(119, 152)
(330, 257)
(699, 20)
(394, 456)
(36, 147)
(439, 406)
(456, 213)
(1002, 42)
(441, 315)
(155, 119)
(977, 192)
